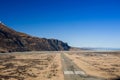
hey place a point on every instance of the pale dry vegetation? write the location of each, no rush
(100, 64)
(30, 67)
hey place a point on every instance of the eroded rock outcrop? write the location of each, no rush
(11, 41)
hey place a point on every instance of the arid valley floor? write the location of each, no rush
(61, 65)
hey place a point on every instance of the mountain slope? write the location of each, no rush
(11, 40)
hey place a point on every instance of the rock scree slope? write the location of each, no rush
(12, 41)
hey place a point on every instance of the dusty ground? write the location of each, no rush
(30, 67)
(47, 65)
(100, 64)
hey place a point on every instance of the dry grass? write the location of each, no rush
(106, 65)
(30, 67)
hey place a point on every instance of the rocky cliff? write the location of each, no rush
(11, 41)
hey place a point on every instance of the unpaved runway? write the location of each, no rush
(73, 72)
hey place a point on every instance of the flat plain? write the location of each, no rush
(62, 65)
(30, 66)
(100, 64)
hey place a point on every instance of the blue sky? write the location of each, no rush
(80, 23)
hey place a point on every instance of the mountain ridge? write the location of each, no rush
(12, 41)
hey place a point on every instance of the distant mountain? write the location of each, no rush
(102, 49)
(93, 49)
(105, 49)
(11, 41)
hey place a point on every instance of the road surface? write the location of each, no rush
(73, 72)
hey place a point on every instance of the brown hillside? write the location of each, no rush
(11, 40)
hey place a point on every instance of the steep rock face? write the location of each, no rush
(11, 40)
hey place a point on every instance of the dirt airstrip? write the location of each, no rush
(100, 64)
(48, 65)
